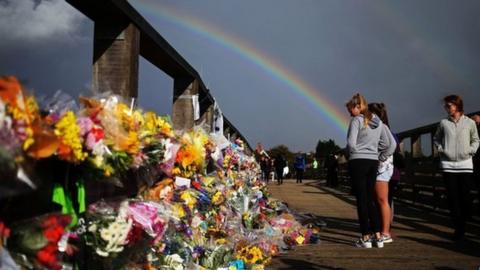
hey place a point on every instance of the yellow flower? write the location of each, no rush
(217, 198)
(189, 199)
(179, 211)
(68, 131)
(155, 125)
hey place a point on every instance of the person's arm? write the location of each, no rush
(474, 140)
(438, 138)
(387, 144)
(352, 134)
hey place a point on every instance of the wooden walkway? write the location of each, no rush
(421, 237)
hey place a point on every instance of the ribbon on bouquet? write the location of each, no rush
(62, 198)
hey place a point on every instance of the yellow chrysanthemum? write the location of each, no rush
(68, 131)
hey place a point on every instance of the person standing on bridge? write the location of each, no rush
(384, 174)
(367, 143)
(299, 167)
(456, 140)
(280, 163)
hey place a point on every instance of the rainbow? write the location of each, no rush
(274, 69)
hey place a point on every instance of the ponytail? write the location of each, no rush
(359, 100)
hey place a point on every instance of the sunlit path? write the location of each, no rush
(421, 239)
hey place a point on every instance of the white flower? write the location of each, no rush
(106, 235)
(92, 228)
(101, 252)
(174, 262)
(168, 149)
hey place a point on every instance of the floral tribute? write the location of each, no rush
(200, 204)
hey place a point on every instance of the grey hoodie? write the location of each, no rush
(372, 142)
(456, 141)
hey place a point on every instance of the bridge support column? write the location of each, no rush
(183, 111)
(416, 146)
(116, 48)
(207, 118)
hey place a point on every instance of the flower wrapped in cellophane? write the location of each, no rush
(200, 204)
(41, 243)
(191, 156)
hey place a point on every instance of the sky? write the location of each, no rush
(281, 70)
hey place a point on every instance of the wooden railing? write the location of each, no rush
(121, 36)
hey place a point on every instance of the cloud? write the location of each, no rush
(35, 21)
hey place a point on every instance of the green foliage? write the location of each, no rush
(282, 150)
(325, 148)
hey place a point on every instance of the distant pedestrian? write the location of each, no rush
(367, 143)
(314, 168)
(457, 141)
(384, 174)
(280, 163)
(299, 167)
(315, 164)
(332, 170)
(272, 169)
(264, 164)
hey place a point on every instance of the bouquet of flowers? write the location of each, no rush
(36, 243)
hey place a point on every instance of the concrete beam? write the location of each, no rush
(115, 58)
(182, 109)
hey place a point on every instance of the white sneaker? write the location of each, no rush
(387, 238)
(360, 243)
(378, 242)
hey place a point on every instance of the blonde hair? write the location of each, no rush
(359, 100)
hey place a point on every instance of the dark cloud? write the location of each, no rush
(35, 21)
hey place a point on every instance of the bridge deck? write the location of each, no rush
(421, 238)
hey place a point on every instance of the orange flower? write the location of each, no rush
(9, 89)
(45, 142)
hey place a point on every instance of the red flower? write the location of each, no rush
(48, 256)
(53, 234)
(97, 133)
(50, 221)
(196, 185)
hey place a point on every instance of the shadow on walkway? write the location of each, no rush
(409, 223)
(293, 264)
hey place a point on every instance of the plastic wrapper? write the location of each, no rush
(34, 243)
(200, 205)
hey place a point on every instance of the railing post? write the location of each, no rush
(207, 118)
(182, 110)
(116, 48)
(416, 146)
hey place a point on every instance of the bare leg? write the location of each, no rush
(381, 191)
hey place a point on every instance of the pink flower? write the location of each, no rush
(90, 141)
(85, 125)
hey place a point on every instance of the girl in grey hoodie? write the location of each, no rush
(368, 141)
(456, 140)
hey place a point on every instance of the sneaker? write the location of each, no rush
(363, 243)
(387, 238)
(378, 242)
